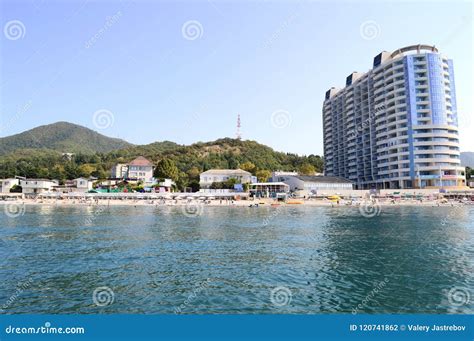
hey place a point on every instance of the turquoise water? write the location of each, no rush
(237, 260)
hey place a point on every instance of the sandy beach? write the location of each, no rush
(238, 203)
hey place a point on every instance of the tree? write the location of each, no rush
(57, 172)
(16, 189)
(182, 181)
(86, 170)
(306, 169)
(166, 169)
(100, 173)
(469, 172)
(72, 171)
(248, 166)
(217, 185)
(317, 162)
(193, 173)
(194, 184)
(263, 175)
(229, 183)
(42, 172)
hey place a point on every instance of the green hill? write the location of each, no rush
(37, 154)
(62, 137)
(222, 153)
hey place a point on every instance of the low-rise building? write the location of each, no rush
(314, 183)
(119, 171)
(7, 184)
(269, 189)
(37, 186)
(164, 186)
(82, 184)
(221, 175)
(140, 169)
(278, 175)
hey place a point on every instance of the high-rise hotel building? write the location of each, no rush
(395, 126)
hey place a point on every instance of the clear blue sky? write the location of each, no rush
(251, 57)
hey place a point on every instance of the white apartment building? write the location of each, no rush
(119, 171)
(396, 126)
(220, 175)
(140, 169)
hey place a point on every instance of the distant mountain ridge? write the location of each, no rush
(61, 137)
(467, 159)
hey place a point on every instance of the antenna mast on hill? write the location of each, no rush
(238, 134)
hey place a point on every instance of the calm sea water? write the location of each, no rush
(237, 260)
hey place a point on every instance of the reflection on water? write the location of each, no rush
(231, 260)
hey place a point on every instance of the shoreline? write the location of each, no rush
(236, 203)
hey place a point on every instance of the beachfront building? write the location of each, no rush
(221, 175)
(119, 171)
(37, 186)
(82, 185)
(165, 186)
(315, 183)
(7, 184)
(269, 189)
(395, 126)
(279, 175)
(140, 169)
